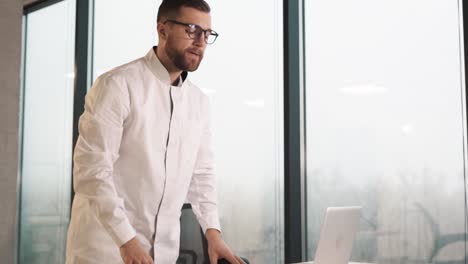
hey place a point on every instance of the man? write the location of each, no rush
(144, 149)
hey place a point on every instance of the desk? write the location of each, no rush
(311, 262)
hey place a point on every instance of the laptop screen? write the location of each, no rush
(337, 235)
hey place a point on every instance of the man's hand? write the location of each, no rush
(217, 249)
(133, 253)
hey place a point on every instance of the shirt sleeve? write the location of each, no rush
(202, 194)
(97, 148)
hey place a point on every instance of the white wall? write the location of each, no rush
(10, 60)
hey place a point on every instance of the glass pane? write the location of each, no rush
(123, 31)
(47, 133)
(242, 74)
(385, 126)
(244, 81)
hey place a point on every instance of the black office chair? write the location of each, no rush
(193, 244)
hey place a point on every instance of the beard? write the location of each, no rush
(184, 60)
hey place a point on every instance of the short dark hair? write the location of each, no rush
(170, 8)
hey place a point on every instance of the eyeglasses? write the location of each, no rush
(195, 31)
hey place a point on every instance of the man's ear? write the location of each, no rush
(161, 28)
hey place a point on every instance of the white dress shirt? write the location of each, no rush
(144, 149)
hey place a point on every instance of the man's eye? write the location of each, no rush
(192, 29)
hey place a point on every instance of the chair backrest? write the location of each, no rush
(193, 244)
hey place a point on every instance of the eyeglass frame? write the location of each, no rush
(191, 35)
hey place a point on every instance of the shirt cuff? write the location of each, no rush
(210, 221)
(122, 232)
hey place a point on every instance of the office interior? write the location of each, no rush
(315, 103)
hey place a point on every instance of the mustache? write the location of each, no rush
(199, 52)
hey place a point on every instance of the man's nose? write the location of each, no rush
(200, 39)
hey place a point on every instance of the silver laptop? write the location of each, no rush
(337, 234)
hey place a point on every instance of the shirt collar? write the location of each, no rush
(179, 81)
(159, 70)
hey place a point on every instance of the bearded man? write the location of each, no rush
(144, 149)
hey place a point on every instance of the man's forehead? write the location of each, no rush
(194, 16)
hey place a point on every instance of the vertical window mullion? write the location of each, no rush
(295, 235)
(82, 63)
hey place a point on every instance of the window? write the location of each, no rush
(242, 74)
(47, 132)
(385, 114)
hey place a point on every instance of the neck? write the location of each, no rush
(173, 71)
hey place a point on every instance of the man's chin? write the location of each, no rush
(191, 67)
